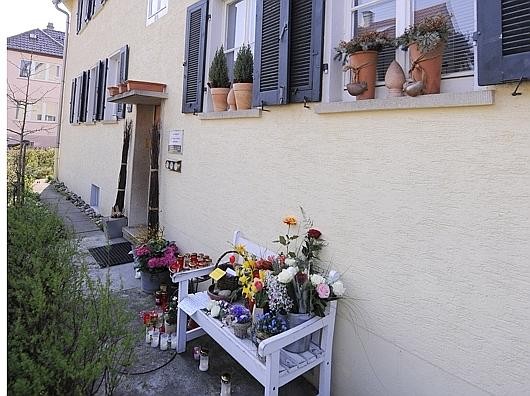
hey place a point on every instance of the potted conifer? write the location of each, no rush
(218, 80)
(243, 78)
(426, 41)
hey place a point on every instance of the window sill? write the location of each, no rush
(461, 99)
(223, 115)
(109, 121)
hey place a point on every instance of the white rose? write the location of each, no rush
(317, 279)
(287, 274)
(290, 262)
(333, 276)
(216, 310)
(338, 288)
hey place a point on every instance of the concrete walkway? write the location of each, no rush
(181, 376)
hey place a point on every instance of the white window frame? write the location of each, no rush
(453, 82)
(95, 197)
(153, 13)
(28, 64)
(250, 16)
(90, 99)
(113, 71)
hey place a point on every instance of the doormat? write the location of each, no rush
(109, 255)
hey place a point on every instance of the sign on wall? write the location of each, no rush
(175, 141)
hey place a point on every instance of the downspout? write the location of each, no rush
(61, 94)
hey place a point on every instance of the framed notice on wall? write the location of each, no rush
(175, 141)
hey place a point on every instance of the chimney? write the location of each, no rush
(368, 18)
(50, 26)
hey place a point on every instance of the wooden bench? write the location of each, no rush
(272, 366)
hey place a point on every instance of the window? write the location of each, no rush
(86, 10)
(155, 10)
(91, 97)
(49, 118)
(394, 16)
(25, 68)
(240, 29)
(40, 70)
(94, 196)
(50, 111)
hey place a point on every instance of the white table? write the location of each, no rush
(280, 366)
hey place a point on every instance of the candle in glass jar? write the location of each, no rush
(163, 341)
(204, 359)
(226, 384)
(148, 335)
(155, 339)
(173, 340)
(196, 352)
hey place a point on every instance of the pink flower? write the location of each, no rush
(323, 290)
(142, 250)
(258, 284)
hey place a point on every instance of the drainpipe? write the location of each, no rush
(61, 94)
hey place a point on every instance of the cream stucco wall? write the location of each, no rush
(427, 212)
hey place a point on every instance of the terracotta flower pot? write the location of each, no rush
(363, 66)
(122, 87)
(113, 90)
(243, 94)
(429, 67)
(231, 100)
(219, 96)
(145, 86)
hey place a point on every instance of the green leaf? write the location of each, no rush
(283, 241)
(293, 237)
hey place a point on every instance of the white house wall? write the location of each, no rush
(426, 212)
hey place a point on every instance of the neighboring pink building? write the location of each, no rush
(39, 52)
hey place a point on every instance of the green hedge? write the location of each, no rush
(66, 332)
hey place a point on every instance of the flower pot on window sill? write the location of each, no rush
(363, 70)
(113, 90)
(122, 87)
(145, 86)
(219, 98)
(427, 67)
(231, 100)
(243, 94)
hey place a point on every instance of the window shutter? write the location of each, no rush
(305, 54)
(124, 71)
(194, 57)
(271, 60)
(82, 97)
(503, 41)
(72, 100)
(101, 89)
(89, 10)
(79, 15)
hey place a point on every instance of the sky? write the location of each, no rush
(22, 15)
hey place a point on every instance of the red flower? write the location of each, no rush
(301, 278)
(314, 233)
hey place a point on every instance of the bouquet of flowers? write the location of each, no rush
(269, 325)
(308, 289)
(156, 255)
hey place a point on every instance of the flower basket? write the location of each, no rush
(226, 282)
(240, 329)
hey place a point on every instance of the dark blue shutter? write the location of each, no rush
(83, 96)
(194, 57)
(72, 101)
(89, 10)
(79, 15)
(503, 41)
(305, 53)
(101, 89)
(271, 52)
(123, 75)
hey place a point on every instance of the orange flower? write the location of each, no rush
(289, 220)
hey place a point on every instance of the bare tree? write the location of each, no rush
(23, 99)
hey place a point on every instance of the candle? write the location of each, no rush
(148, 335)
(173, 340)
(163, 341)
(197, 352)
(225, 384)
(203, 363)
(155, 340)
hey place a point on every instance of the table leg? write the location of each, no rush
(273, 373)
(182, 318)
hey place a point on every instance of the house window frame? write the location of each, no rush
(151, 16)
(25, 68)
(250, 29)
(404, 18)
(90, 98)
(113, 77)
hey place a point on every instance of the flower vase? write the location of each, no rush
(427, 67)
(151, 281)
(302, 344)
